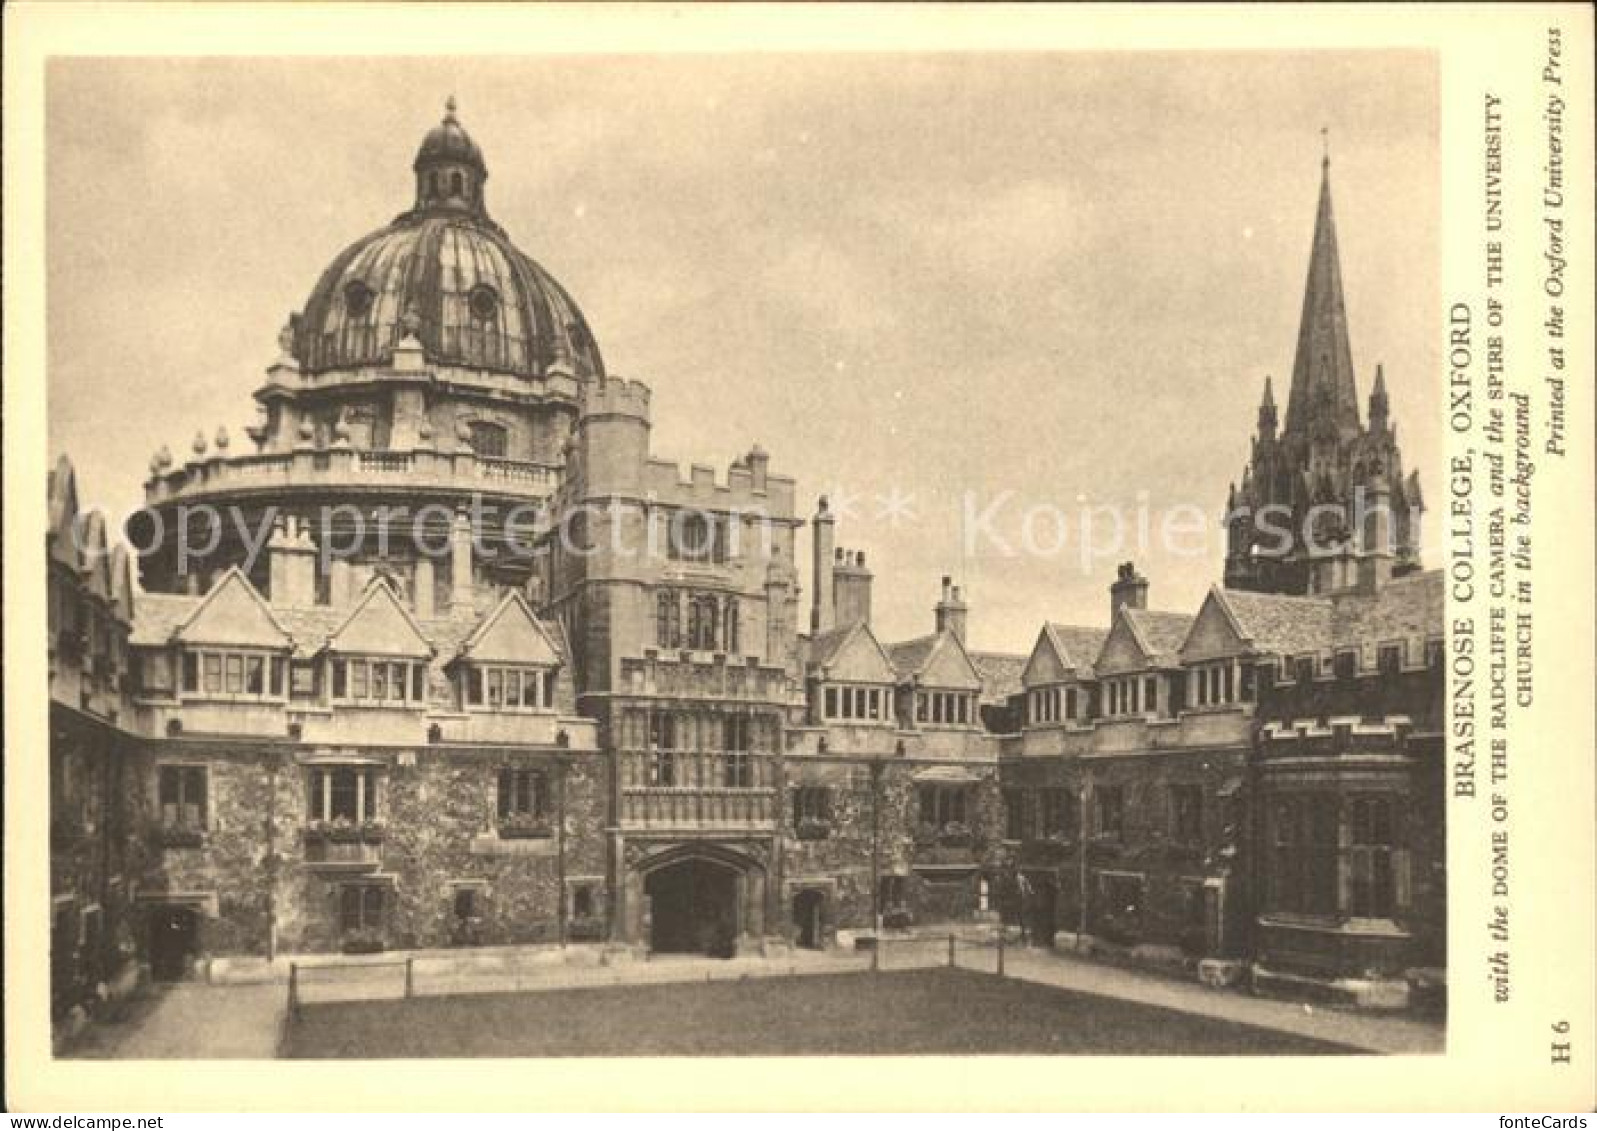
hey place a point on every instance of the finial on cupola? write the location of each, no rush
(449, 108)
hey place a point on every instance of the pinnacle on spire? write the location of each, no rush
(1267, 417)
(1379, 406)
(1324, 395)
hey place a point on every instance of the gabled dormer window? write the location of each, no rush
(1212, 684)
(1126, 695)
(1052, 704)
(228, 674)
(508, 687)
(371, 682)
(854, 702)
(944, 708)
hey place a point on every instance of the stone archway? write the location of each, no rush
(694, 898)
(693, 907)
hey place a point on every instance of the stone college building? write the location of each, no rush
(579, 695)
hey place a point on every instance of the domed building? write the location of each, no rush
(433, 356)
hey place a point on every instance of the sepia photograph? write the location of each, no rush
(720, 558)
(951, 583)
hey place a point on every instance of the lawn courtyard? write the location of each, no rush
(942, 1010)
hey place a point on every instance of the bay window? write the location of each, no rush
(361, 681)
(851, 701)
(1213, 684)
(505, 688)
(229, 674)
(944, 708)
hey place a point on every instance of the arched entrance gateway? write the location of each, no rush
(693, 908)
(696, 899)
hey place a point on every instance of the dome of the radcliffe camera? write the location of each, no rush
(448, 274)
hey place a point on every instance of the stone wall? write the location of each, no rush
(939, 879)
(437, 816)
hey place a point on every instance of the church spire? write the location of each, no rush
(1323, 390)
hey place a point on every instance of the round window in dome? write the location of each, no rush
(484, 301)
(358, 299)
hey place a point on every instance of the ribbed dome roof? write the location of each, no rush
(450, 275)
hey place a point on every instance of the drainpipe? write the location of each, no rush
(271, 856)
(560, 844)
(876, 856)
(1081, 853)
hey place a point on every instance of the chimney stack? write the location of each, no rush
(292, 565)
(951, 610)
(1130, 588)
(758, 461)
(823, 529)
(851, 583)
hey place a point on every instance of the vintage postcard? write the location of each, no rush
(541, 535)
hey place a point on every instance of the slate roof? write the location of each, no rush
(1161, 634)
(1412, 606)
(823, 647)
(1280, 624)
(1000, 674)
(157, 615)
(910, 656)
(1079, 645)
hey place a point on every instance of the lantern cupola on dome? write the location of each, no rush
(449, 167)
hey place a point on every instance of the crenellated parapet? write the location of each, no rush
(744, 488)
(616, 397)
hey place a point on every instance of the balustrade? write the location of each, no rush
(333, 467)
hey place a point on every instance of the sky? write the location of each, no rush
(935, 286)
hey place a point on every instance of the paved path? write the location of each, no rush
(194, 1021)
(1386, 1034)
